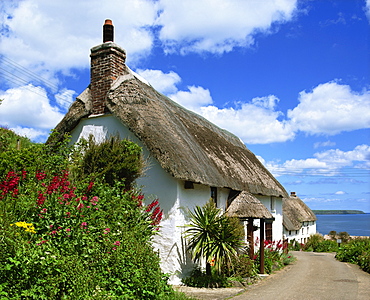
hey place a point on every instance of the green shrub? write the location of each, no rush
(111, 160)
(295, 245)
(61, 243)
(200, 279)
(275, 258)
(64, 237)
(356, 251)
(317, 243)
(241, 266)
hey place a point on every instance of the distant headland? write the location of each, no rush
(337, 212)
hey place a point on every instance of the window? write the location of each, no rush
(272, 204)
(290, 233)
(214, 194)
(268, 231)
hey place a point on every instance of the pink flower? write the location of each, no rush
(68, 229)
(117, 243)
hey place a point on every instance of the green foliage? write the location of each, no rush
(36, 157)
(242, 267)
(113, 160)
(295, 245)
(63, 242)
(275, 258)
(200, 279)
(64, 238)
(11, 141)
(356, 251)
(317, 243)
(212, 236)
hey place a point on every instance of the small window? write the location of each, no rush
(214, 194)
(290, 233)
(268, 231)
(272, 204)
(188, 185)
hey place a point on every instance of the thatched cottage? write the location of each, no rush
(298, 219)
(191, 160)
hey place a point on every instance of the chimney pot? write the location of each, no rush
(292, 194)
(108, 31)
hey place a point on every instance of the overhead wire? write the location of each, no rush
(20, 76)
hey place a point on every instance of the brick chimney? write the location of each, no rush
(107, 63)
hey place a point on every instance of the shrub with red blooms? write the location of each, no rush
(275, 258)
(90, 240)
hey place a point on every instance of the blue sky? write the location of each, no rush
(290, 78)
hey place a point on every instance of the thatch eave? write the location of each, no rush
(295, 212)
(245, 205)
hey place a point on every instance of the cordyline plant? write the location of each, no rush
(212, 236)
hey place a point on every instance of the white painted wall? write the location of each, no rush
(301, 235)
(275, 207)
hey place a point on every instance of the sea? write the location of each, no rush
(354, 224)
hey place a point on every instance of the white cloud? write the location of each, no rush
(218, 25)
(326, 163)
(367, 9)
(65, 98)
(331, 108)
(194, 99)
(340, 193)
(32, 133)
(252, 122)
(163, 82)
(28, 107)
(56, 35)
(324, 144)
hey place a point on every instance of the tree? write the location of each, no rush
(212, 236)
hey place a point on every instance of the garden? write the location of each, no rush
(60, 235)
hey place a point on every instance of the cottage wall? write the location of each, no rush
(301, 236)
(275, 207)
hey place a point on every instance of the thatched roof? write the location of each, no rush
(245, 205)
(295, 212)
(185, 144)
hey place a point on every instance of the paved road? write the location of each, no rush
(316, 276)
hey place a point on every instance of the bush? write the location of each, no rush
(59, 242)
(317, 243)
(68, 238)
(295, 245)
(111, 160)
(356, 251)
(200, 279)
(275, 259)
(241, 266)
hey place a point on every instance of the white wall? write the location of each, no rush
(275, 207)
(301, 235)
